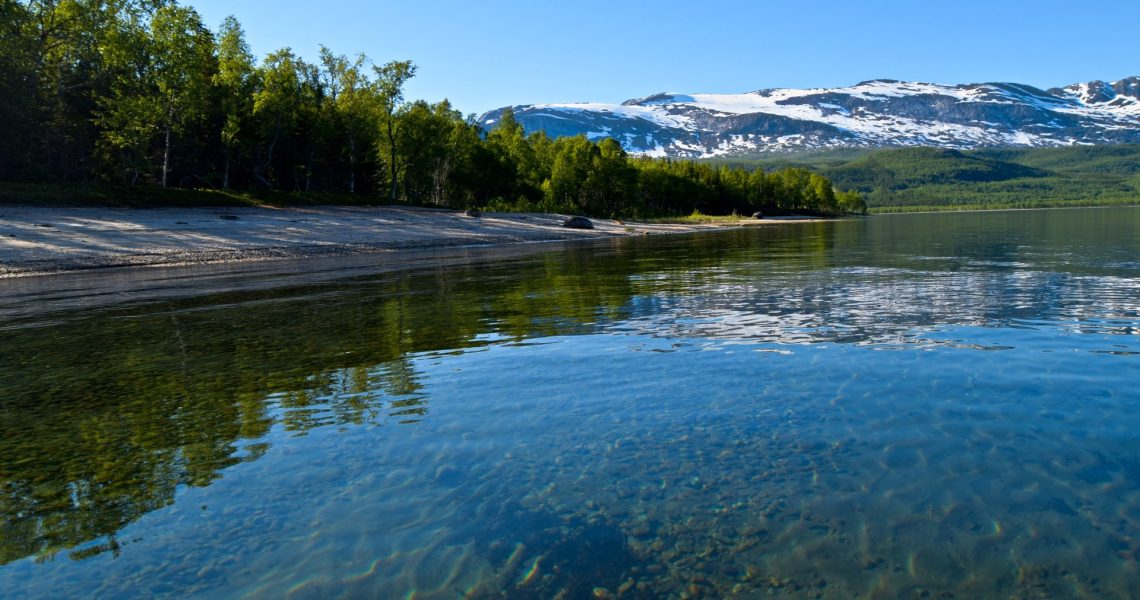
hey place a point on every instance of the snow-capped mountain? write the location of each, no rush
(869, 114)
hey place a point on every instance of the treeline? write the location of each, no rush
(923, 179)
(927, 178)
(573, 174)
(141, 92)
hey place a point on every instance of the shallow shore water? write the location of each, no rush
(901, 406)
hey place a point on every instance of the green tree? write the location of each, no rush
(129, 112)
(821, 195)
(17, 88)
(521, 172)
(610, 188)
(315, 127)
(276, 108)
(162, 74)
(390, 81)
(851, 201)
(236, 84)
(573, 159)
(184, 67)
(759, 192)
(465, 142)
(355, 105)
(84, 53)
(436, 157)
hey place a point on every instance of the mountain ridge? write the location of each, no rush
(870, 114)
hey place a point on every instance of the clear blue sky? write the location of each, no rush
(489, 53)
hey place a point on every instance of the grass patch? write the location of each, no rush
(697, 217)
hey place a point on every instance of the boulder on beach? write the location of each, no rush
(578, 223)
(757, 215)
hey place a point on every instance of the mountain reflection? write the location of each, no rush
(868, 306)
(104, 414)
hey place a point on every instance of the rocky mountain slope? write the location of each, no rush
(879, 113)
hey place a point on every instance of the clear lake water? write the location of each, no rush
(941, 406)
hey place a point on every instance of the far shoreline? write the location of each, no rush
(879, 213)
(53, 240)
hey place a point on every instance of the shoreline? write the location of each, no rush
(997, 210)
(49, 240)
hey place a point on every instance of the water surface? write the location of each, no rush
(920, 405)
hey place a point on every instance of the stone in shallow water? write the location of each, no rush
(578, 223)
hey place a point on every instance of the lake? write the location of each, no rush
(897, 406)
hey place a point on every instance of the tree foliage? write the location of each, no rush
(925, 179)
(235, 83)
(140, 92)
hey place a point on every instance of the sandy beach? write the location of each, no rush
(37, 240)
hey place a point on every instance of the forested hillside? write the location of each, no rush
(142, 94)
(934, 179)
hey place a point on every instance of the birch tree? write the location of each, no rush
(184, 65)
(236, 83)
(390, 80)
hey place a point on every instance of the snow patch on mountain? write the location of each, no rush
(872, 113)
(618, 110)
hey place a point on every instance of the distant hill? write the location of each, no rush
(939, 179)
(902, 169)
(871, 114)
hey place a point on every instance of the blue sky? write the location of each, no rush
(486, 54)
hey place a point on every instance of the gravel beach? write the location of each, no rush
(37, 240)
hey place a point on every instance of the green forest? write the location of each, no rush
(924, 179)
(143, 96)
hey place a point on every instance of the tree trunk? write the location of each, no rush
(392, 159)
(439, 177)
(226, 172)
(351, 162)
(309, 162)
(267, 163)
(166, 152)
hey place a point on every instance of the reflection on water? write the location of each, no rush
(923, 405)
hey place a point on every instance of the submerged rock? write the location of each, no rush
(578, 223)
(471, 212)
